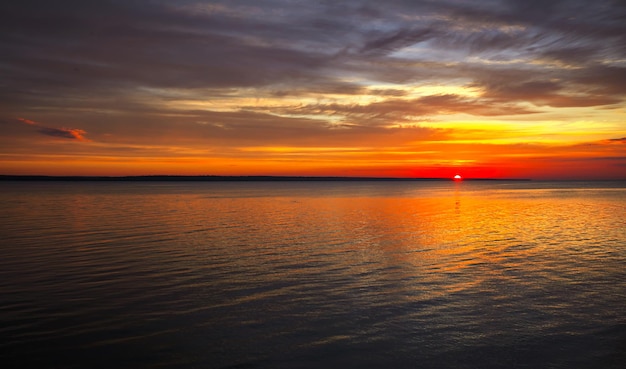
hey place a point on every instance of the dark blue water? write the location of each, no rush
(313, 275)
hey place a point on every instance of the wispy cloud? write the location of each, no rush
(28, 121)
(350, 74)
(617, 140)
(70, 133)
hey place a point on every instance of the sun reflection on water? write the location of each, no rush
(233, 273)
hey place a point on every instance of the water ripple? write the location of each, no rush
(313, 275)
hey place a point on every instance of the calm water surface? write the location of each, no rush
(313, 275)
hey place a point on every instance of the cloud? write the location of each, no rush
(398, 39)
(283, 72)
(549, 90)
(575, 55)
(394, 111)
(617, 140)
(109, 47)
(70, 133)
(28, 121)
(604, 79)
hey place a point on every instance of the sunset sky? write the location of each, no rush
(491, 88)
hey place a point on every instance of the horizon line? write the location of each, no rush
(263, 178)
(211, 177)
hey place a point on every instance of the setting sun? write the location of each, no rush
(411, 90)
(267, 183)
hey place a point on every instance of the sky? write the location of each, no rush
(487, 88)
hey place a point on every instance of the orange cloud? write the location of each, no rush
(28, 121)
(71, 133)
(616, 140)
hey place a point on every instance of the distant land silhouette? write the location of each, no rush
(212, 178)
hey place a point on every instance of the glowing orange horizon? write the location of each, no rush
(542, 168)
(380, 101)
(390, 153)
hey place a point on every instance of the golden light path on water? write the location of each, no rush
(327, 274)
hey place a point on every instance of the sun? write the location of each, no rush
(457, 177)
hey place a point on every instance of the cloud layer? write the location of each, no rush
(225, 75)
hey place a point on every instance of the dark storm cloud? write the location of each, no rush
(85, 53)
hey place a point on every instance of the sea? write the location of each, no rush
(328, 274)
